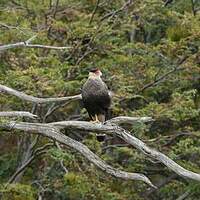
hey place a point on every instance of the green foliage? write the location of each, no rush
(133, 48)
(77, 186)
(58, 155)
(17, 192)
(177, 32)
(7, 165)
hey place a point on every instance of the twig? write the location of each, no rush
(158, 80)
(193, 7)
(55, 10)
(84, 55)
(38, 152)
(164, 76)
(160, 185)
(111, 14)
(184, 195)
(37, 100)
(13, 27)
(94, 11)
(22, 168)
(61, 161)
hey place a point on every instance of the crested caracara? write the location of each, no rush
(95, 95)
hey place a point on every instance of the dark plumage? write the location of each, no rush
(95, 95)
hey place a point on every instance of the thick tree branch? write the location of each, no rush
(37, 100)
(53, 133)
(130, 139)
(107, 128)
(18, 114)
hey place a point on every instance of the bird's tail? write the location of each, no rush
(101, 117)
(105, 116)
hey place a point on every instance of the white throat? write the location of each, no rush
(94, 76)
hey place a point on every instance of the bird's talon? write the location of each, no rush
(96, 121)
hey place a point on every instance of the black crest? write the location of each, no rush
(94, 70)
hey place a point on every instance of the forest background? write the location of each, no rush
(148, 51)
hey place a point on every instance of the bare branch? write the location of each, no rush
(166, 75)
(30, 39)
(55, 9)
(107, 128)
(53, 108)
(130, 139)
(18, 114)
(20, 29)
(184, 195)
(24, 44)
(130, 120)
(94, 11)
(23, 167)
(113, 13)
(160, 185)
(37, 100)
(54, 133)
(160, 79)
(61, 161)
(193, 7)
(28, 45)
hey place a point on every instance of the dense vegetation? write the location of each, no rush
(150, 59)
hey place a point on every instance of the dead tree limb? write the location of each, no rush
(28, 45)
(52, 132)
(18, 114)
(37, 100)
(130, 120)
(130, 139)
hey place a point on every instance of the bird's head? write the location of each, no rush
(95, 73)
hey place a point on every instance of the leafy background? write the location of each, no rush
(133, 48)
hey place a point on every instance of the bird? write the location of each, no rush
(96, 97)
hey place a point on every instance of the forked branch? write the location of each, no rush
(132, 140)
(54, 133)
(27, 44)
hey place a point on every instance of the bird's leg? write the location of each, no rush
(96, 119)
